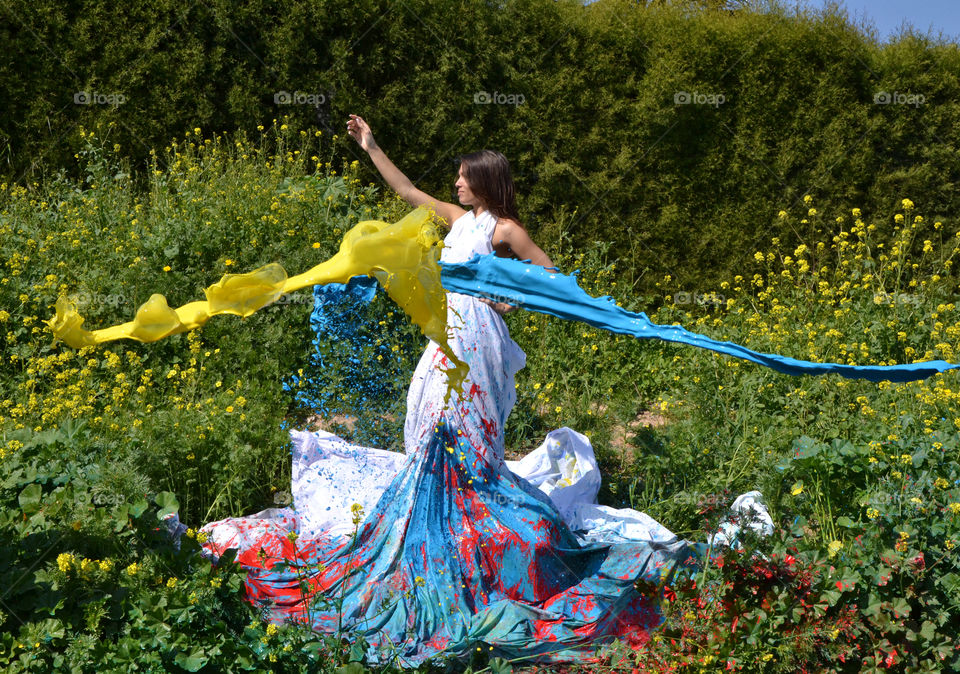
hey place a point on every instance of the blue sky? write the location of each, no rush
(887, 15)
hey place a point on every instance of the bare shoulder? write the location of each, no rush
(511, 237)
(507, 229)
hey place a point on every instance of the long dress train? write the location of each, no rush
(454, 546)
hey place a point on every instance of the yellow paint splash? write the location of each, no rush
(402, 256)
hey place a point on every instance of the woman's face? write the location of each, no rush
(464, 193)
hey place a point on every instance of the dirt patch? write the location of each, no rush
(620, 434)
(318, 423)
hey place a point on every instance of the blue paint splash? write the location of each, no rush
(358, 368)
(549, 292)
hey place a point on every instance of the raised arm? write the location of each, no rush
(360, 131)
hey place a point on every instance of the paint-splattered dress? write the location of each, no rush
(454, 548)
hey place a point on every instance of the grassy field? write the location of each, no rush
(862, 479)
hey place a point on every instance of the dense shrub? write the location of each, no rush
(583, 99)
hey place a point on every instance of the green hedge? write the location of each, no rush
(600, 147)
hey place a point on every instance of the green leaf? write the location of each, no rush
(137, 507)
(168, 504)
(30, 498)
(831, 596)
(351, 668)
(901, 608)
(192, 661)
(949, 582)
(845, 521)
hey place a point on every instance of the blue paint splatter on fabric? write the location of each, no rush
(538, 289)
(359, 362)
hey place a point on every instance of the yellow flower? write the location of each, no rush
(202, 537)
(797, 489)
(898, 218)
(856, 212)
(229, 408)
(807, 198)
(64, 561)
(834, 548)
(271, 630)
(954, 507)
(166, 267)
(227, 262)
(873, 513)
(357, 510)
(133, 569)
(172, 582)
(316, 244)
(907, 204)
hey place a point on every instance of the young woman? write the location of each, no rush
(446, 547)
(483, 183)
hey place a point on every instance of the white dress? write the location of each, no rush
(456, 546)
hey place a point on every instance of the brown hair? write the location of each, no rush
(488, 174)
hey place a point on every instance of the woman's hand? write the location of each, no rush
(360, 131)
(500, 307)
